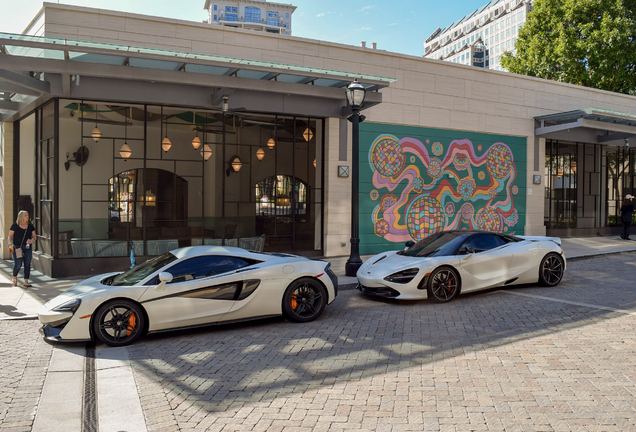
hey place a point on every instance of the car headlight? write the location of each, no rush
(70, 306)
(402, 277)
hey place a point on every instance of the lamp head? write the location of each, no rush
(355, 94)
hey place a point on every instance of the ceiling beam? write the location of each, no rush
(23, 80)
(217, 97)
(8, 105)
(14, 88)
(269, 76)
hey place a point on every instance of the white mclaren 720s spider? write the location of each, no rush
(189, 287)
(448, 263)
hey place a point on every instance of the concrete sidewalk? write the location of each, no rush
(23, 303)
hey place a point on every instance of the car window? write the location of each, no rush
(483, 242)
(439, 244)
(137, 274)
(205, 266)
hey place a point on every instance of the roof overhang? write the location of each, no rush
(590, 125)
(35, 68)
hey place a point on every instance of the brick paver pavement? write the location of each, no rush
(24, 360)
(521, 359)
(487, 361)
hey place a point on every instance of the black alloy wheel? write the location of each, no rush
(443, 284)
(304, 300)
(551, 270)
(118, 322)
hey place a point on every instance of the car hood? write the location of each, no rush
(390, 262)
(84, 288)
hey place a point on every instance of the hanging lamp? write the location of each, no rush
(96, 134)
(260, 154)
(165, 143)
(206, 152)
(125, 152)
(196, 142)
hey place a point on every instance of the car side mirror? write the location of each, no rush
(467, 250)
(409, 244)
(164, 278)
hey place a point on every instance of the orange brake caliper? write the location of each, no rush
(132, 322)
(294, 302)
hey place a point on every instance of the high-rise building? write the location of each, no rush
(481, 37)
(250, 14)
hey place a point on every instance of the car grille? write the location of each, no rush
(380, 291)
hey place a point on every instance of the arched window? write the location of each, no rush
(276, 195)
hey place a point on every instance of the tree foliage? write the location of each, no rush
(586, 42)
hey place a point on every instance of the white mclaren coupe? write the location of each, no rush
(445, 264)
(189, 287)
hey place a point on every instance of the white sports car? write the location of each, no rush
(189, 287)
(444, 264)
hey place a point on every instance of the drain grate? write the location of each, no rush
(89, 406)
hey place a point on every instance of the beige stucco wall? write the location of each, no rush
(6, 183)
(427, 92)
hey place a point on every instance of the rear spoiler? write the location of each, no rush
(556, 240)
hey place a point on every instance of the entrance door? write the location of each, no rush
(621, 178)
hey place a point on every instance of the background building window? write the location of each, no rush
(272, 14)
(232, 9)
(231, 17)
(252, 14)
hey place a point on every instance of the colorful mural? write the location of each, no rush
(421, 181)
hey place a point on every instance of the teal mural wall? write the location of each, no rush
(417, 181)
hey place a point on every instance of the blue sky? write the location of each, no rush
(399, 27)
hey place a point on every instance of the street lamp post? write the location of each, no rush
(355, 98)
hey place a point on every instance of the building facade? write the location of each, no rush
(252, 15)
(124, 132)
(480, 38)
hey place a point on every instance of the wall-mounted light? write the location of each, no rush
(206, 152)
(226, 104)
(149, 199)
(314, 163)
(234, 165)
(260, 154)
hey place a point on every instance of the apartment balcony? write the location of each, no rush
(243, 23)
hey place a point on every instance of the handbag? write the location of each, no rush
(18, 252)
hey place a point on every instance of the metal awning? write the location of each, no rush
(35, 66)
(591, 125)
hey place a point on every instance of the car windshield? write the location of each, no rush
(137, 274)
(440, 244)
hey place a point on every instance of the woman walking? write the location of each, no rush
(21, 237)
(626, 215)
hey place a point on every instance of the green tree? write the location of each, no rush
(586, 42)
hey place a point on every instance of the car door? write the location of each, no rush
(202, 290)
(488, 265)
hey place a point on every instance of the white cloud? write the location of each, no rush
(364, 28)
(392, 24)
(366, 8)
(320, 15)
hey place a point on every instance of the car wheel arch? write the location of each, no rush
(141, 307)
(424, 281)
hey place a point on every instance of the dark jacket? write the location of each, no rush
(626, 212)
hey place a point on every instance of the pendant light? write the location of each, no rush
(125, 152)
(206, 152)
(165, 144)
(96, 134)
(196, 142)
(271, 143)
(260, 154)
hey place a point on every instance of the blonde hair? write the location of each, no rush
(21, 214)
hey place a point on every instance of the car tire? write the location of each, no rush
(442, 285)
(551, 270)
(118, 322)
(304, 300)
